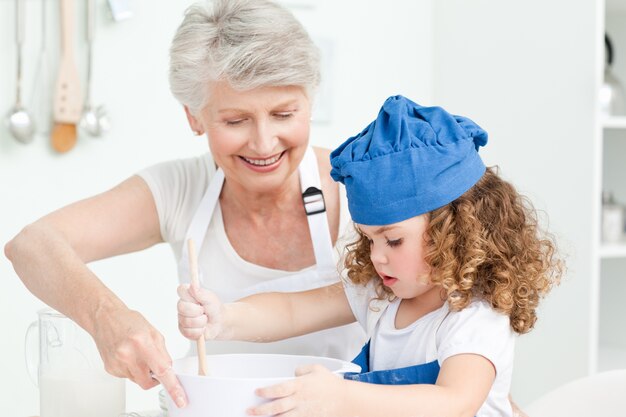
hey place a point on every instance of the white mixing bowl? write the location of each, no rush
(228, 390)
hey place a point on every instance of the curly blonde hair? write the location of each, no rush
(486, 244)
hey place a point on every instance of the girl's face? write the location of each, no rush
(259, 136)
(397, 253)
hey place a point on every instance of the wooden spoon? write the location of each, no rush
(193, 267)
(67, 104)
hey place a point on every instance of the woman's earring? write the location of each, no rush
(197, 132)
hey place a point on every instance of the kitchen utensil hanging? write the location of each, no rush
(612, 96)
(19, 121)
(67, 103)
(41, 94)
(94, 120)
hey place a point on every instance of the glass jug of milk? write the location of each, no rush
(69, 371)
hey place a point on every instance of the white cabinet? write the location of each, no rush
(611, 257)
(611, 336)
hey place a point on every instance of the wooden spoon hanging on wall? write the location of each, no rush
(67, 103)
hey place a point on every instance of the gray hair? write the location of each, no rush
(248, 43)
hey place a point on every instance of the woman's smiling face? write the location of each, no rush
(259, 136)
(397, 253)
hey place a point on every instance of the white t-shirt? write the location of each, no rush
(178, 187)
(438, 335)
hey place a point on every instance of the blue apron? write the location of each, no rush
(426, 373)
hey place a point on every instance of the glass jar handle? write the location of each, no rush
(31, 352)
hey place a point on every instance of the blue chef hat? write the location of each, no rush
(409, 161)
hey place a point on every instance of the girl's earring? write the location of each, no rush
(197, 132)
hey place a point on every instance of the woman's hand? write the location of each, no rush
(315, 392)
(199, 312)
(132, 348)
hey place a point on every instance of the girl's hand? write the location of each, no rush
(316, 392)
(199, 311)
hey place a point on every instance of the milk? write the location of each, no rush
(88, 394)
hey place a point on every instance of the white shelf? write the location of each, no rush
(614, 122)
(611, 357)
(613, 250)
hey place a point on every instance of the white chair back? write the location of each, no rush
(602, 394)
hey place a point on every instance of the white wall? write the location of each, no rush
(378, 51)
(526, 72)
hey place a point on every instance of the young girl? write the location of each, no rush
(448, 266)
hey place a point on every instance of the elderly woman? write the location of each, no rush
(261, 206)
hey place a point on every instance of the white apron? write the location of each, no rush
(342, 342)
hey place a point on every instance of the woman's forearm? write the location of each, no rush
(50, 255)
(54, 273)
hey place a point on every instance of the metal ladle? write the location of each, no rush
(18, 120)
(94, 120)
(40, 98)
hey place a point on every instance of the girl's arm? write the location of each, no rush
(264, 317)
(462, 387)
